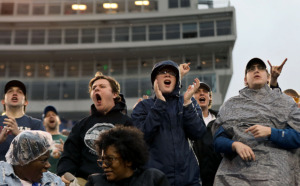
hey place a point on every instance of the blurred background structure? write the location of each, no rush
(56, 46)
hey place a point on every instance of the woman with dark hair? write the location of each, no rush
(122, 155)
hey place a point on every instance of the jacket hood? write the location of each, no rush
(119, 107)
(171, 64)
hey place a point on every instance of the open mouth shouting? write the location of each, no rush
(98, 97)
(167, 82)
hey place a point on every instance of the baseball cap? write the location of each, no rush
(15, 83)
(49, 108)
(205, 86)
(255, 61)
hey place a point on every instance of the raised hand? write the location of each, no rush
(12, 125)
(190, 91)
(157, 91)
(184, 69)
(275, 72)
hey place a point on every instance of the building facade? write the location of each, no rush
(56, 46)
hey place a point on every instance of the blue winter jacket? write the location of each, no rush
(167, 126)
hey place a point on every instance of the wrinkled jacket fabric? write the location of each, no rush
(273, 165)
(167, 126)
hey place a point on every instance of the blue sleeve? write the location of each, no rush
(147, 117)
(193, 123)
(287, 138)
(222, 142)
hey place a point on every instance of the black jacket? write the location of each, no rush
(79, 156)
(148, 177)
(208, 159)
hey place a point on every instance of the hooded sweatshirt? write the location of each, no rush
(167, 126)
(79, 156)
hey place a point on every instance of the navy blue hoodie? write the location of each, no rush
(167, 126)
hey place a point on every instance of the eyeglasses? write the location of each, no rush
(253, 68)
(107, 160)
(161, 72)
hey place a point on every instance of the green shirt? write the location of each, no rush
(54, 160)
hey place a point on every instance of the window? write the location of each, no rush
(221, 60)
(139, 33)
(5, 37)
(173, 31)
(116, 67)
(177, 3)
(155, 32)
(87, 68)
(146, 65)
(122, 34)
(88, 35)
(29, 69)
(105, 35)
(73, 69)
(103, 66)
(53, 89)
(207, 29)
(132, 66)
(14, 69)
(146, 87)
(68, 9)
(21, 36)
(223, 27)
(71, 36)
(58, 69)
(38, 9)
(83, 89)
(54, 36)
(44, 69)
(189, 30)
(68, 90)
(54, 8)
(2, 69)
(37, 36)
(131, 86)
(38, 92)
(22, 9)
(7, 8)
(205, 62)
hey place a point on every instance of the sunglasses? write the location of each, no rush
(253, 68)
(108, 161)
(161, 72)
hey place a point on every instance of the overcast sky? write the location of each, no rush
(270, 30)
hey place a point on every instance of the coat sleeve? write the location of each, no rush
(147, 117)
(70, 159)
(285, 138)
(193, 123)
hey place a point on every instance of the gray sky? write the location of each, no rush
(270, 30)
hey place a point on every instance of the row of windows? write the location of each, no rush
(78, 89)
(66, 7)
(116, 34)
(114, 67)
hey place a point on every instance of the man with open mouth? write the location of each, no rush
(168, 120)
(79, 156)
(14, 120)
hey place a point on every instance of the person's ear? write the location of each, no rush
(245, 81)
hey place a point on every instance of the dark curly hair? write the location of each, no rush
(129, 143)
